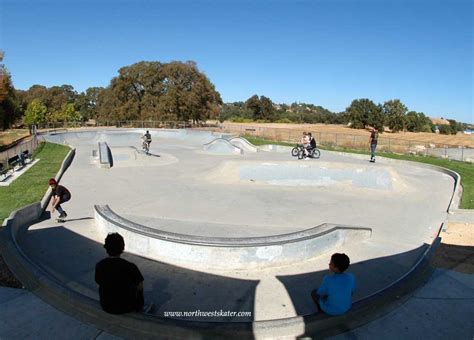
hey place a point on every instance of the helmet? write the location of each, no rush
(52, 181)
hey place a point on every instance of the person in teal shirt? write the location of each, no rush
(334, 296)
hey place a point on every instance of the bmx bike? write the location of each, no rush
(298, 151)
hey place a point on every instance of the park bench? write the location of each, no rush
(4, 171)
(27, 155)
(14, 161)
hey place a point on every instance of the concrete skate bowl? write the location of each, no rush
(63, 295)
(129, 137)
(73, 297)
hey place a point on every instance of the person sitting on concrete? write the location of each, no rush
(334, 296)
(120, 281)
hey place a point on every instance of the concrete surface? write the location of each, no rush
(442, 309)
(24, 316)
(212, 190)
(208, 190)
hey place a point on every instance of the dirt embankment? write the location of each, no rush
(456, 251)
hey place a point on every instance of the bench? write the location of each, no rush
(3, 171)
(14, 161)
(27, 155)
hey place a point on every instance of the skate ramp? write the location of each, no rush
(130, 156)
(243, 144)
(317, 175)
(322, 174)
(222, 146)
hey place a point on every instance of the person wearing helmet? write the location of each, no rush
(60, 195)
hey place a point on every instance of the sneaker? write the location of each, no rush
(62, 215)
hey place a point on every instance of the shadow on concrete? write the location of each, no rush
(455, 257)
(71, 258)
(371, 276)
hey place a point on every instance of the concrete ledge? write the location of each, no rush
(201, 252)
(105, 155)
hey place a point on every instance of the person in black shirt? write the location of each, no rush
(312, 141)
(120, 282)
(60, 196)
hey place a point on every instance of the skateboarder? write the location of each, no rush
(374, 135)
(60, 196)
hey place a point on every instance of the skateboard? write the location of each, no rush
(60, 220)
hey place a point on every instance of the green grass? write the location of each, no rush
(31, 186)
(464, 169)
(258, 141)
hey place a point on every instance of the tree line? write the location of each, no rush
(178, 91)
(175, 91)
(360, 114)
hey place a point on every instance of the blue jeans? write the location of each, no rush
(372, 150)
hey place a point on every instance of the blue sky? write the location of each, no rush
(325, 52)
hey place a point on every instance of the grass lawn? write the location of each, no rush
(31, 186)
(464, 169)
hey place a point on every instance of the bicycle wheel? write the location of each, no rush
(316, 153)
(294, 151)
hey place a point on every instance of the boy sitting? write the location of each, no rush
(334, 296)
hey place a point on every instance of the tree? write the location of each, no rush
(153, 90)
(8, 103)
(417, 122)
(35, 113)
(363, 112)
(253, 105)
(87, 103)
(395, 111)
(266, 108)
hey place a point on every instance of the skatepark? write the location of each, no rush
(215, 223)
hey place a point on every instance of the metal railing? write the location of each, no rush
(358, 142)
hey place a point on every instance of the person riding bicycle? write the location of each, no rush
(147, 139)
(305, 141)
(312, 141)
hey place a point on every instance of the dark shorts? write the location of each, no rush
(64, 198)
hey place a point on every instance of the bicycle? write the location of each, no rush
(146, 147)
(312, 153)
(296, 149)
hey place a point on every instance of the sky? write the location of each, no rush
(323, 52)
